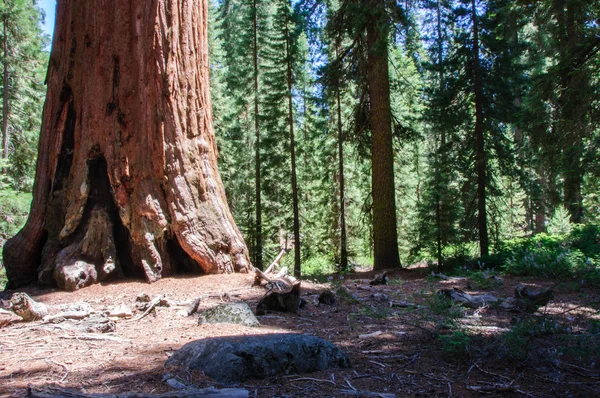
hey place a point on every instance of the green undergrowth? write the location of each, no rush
(572, 254)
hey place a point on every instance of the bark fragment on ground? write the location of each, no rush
(469, 300)
(27, 308)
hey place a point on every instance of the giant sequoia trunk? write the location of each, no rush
(127, 180)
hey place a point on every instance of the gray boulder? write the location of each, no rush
(237, 358)
(238, 313)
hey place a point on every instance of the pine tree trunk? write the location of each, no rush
(440, 159)
(258, 241)
(570, 121)
(385, 235)
(127, 179)
(343, 239)
(297, 257)
(5, 138)
(479, 142)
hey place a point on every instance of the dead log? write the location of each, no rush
(468, 300)
(189, 393)
(27, 308)
(527, 300)
(282, 302)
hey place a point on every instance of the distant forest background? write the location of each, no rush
(536, 84)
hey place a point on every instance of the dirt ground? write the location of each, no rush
(414, 347)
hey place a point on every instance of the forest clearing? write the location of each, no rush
(423, 178)
(402, 340)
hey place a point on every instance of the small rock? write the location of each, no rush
(238, 313)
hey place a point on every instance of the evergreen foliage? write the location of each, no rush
(507, 119)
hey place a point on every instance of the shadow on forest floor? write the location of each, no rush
(402, 338)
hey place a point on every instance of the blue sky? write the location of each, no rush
(49, 6)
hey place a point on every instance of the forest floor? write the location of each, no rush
(418, 347)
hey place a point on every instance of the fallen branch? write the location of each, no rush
(76, 315)
(151, 306)
(275, 262)
(468, 300)
(96, 337)
(360, 393)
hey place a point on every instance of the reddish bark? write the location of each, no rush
(127, 179)
(385, 234)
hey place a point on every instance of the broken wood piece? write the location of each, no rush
(370, 335)
(27, 308)
(151, 306)
(8, 318)
(89, 336)
(468, 300)
(492, 388)
(401, 304)
(282, 302)
(380, 279)
(360, 393)
(76, 315)
(440, 275)
(193, 308)
(532, 300)
(120, 312)
(210, 392)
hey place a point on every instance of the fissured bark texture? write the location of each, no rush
(127, 180)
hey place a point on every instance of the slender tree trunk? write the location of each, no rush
(441, 156)
(385, 234)
(127, 179)
(5, 137)
(258, 248)
(297, 258)
(479, 141)
(569, 117)
(343, 243)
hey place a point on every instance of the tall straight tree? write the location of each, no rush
(385, 234)
(127, 178)
(258, 238)
(480, 159)
(285, 11)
